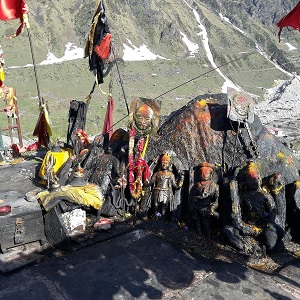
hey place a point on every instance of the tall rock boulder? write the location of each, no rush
(201, 131)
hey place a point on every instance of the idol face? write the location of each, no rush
(165, 164)
(143, 116)
(205, 173)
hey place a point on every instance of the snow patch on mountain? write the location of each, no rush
(205, 42)
(72, 52)
(193, 48)
(133, 53)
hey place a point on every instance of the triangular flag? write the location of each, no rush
(292, 19)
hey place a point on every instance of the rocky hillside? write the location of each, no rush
(280, 112)
(194, 37)
(160, 25)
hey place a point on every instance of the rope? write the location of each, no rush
(120, 80)
(222, 65)
(89, 96)
(186, 82)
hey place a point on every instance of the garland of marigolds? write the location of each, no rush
(139, 168)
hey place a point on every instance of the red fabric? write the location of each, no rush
(12, 9)
(16, 149)
(33, 147)
(147, 172)
(292, 19)
(103, 49)
(41, 131)
(108, 121)
(83, 136)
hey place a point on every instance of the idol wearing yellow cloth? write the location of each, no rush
(60, 157)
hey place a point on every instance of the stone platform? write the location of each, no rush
(148, 260)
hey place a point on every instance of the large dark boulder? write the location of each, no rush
(201, 131)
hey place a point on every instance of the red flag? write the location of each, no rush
(292, 19)
(108, 121)
(14, 9)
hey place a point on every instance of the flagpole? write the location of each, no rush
(34, 65)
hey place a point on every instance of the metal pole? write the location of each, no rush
(34, 66)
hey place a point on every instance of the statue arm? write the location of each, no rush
(191, 194)
(215, 204)
(152, 180)
(181, 179)
(236, 213)
(270, 207)
(177, 185)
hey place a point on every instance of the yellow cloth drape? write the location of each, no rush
(88, 195)
(2, 76)
(60, 159)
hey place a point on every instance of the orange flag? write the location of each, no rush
(292, 19)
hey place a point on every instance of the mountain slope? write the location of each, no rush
(239, 37)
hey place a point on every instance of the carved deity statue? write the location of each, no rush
(204, 197)
(255, 227)
(164, 183)
(143, 121)
(144, 116)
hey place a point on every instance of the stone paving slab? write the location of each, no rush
(139, 265)
(20, 178)
(20, 257)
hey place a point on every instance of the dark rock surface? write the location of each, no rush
(200, 131)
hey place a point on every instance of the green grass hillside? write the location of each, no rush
(156, 24)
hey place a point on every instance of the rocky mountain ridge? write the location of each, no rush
(280, 112)
(232, 39)
(160, 25)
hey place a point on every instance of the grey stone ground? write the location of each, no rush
(146, 261)
(138, 265)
